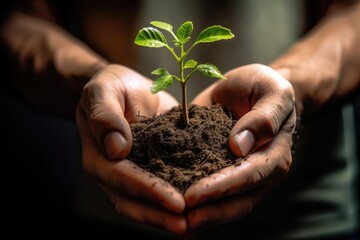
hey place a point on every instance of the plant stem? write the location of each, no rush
(183, 86)
(184, 104)
(173, 53)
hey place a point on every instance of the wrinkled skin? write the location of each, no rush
(264, 103)
(321, 67)
(259, 97)
(110, 101)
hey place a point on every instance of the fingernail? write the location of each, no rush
(114, 142)
(245, 141)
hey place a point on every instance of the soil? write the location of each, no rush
(183, 155)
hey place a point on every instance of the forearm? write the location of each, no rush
(325, 64)
(51, 66)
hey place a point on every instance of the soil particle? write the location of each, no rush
(183, 155)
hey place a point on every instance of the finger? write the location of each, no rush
(268, 164)
(272, 103)
(126, 177)
(256, 95)
(114, 98)
(227, 181)
(102, 110)
(226, 210)
(148, 214)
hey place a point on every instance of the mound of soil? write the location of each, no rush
(183, 155)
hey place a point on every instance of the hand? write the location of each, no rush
(264, 104)
(53, 69)
(52, 66)
(111, 100)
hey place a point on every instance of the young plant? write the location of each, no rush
(152, 37)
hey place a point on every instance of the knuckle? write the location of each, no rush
(271, 121)
(122, 210)
(94, 107)
(285, 160)
(288, 96)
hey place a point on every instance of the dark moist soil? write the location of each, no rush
(183, 155)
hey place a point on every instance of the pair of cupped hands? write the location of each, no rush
(261, 100)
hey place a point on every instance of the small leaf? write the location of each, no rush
(176, 43)
(162, 83)
(213, 34)
(190, 64)
(160, 72)
(184, 31)
(210, 70)
(162, 25)
(150, 37)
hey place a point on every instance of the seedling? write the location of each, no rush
(153, 37)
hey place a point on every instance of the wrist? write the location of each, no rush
(51, 66)
(321, 65)
(324, 65)
(289, 73)
(74, 61)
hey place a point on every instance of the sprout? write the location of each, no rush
(153, 37)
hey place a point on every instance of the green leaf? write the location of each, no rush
(162, 25)
(162, 83)
(160, 72)
(184, 31)
(213, 34)
(150, 37)
(190, 64)
(210, 70)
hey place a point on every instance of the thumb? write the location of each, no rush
(273, 104)
(100, 110)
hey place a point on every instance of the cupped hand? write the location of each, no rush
(264, 104)
(111, 100)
